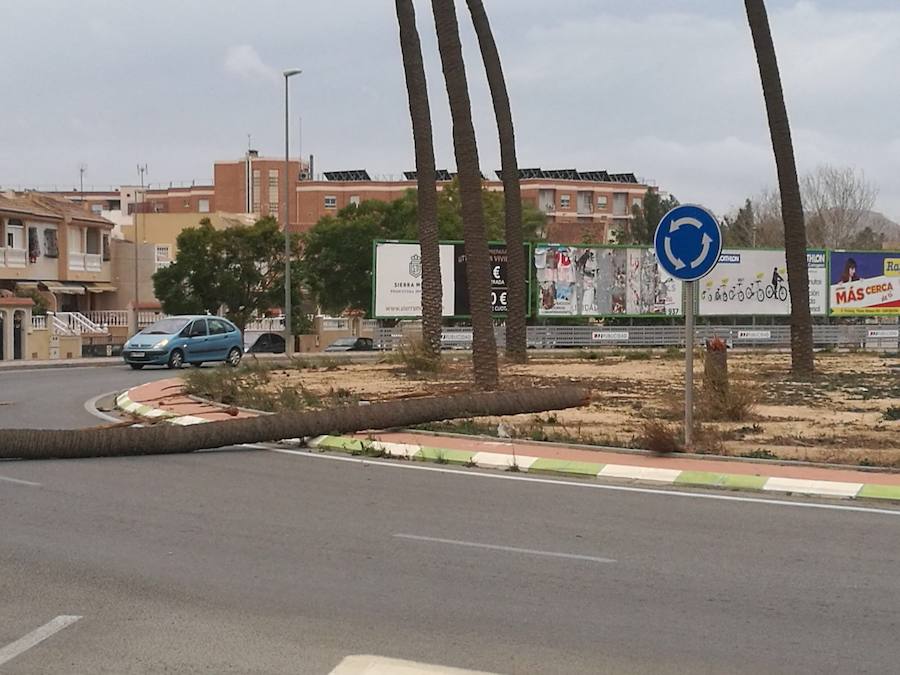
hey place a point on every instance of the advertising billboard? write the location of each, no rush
(397, 287)
(755, 282)
(865, 283)
(603, 281)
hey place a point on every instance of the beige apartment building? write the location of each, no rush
(53, 251)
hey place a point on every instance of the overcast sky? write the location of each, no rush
(668, 90)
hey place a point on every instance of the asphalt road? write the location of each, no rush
(53, 398)
(253, 561)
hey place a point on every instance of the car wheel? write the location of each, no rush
(136, 366)
(176, 359)
(234, 357)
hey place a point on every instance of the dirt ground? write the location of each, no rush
(841, 417)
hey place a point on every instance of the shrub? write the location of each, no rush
(415, 358)
(660, 438)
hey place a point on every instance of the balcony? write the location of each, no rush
(13, 257)
(76, 261)
(93, 262)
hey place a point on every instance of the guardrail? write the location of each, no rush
(39, 322)
(93, 262)
(886, 337)
(78, 324)
(76, 261)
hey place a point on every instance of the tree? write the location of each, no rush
(240, 269)
(336, 263)
(426, 176)
(802, 365)
(465, 146)
(866, 240)
(740, 230)
(516, 267)
(837, 200)
(647, 216)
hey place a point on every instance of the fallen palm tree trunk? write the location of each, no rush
(165, 439)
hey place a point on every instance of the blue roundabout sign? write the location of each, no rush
(688, 242)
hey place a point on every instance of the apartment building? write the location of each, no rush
(255, 184)
(579, 205)
(55, 250)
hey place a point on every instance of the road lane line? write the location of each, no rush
(23, 644)
(367, 664)
(506, 549)
(19, 481)
(585, 484)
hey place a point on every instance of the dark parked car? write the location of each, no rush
(267, 343)
(351, 344)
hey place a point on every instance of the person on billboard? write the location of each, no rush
(776, 279)
(849, 272)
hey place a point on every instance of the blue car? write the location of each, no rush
(178, 340)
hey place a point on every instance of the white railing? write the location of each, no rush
(78, 324)
(267, 325)
(39, 322)
(146, 317)
(59, 326)
(13, 257)
(76, 261)
(335, 324)
(369, 324)
(93, 262)
(110, 317)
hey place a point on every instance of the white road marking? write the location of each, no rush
(23, 644)
(91, 406)
(584, 485)
(506, 549)
(19, 481)
(364, 664)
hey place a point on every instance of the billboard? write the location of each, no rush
(865, 283)
(397, 287)
(603, 281)
(754, 282)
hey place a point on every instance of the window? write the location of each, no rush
(162, 256)
(217, 327)
(203, 205)
(620, 204)
(93, 241)
(638, 202)
(602, 201)
(197, 329)
(34, 244)
(106, 256)
(330, 202)
(256, 188)
(354, 200)
(564, 201)
(74, 240)
(96, 209)
(51, 244)
(15, 234)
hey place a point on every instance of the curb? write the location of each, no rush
(555, 467)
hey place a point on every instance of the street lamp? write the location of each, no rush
(288, 337)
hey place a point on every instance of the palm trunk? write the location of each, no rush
(802, 364)
(484, 346)
(168, 439)
(516, 269)
(426, 179)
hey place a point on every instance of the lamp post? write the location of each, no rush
(288, 336)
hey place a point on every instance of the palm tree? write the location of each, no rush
(426, 179)
(484, 346)
(802, 364)
(516, 265)
(122, 440)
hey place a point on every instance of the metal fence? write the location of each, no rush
(881, 338)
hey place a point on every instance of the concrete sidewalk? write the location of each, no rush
(165, 399)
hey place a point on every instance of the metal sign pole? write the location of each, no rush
(689, 365)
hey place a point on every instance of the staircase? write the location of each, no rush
(75, 323)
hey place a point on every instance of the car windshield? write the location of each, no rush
(344, 342)
(165, 327)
